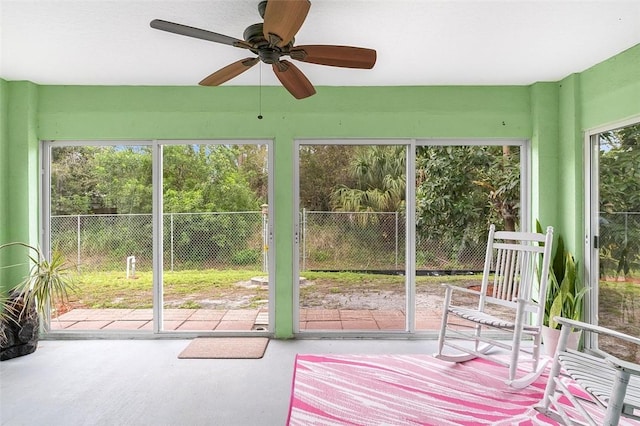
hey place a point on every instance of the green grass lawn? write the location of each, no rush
(113, 290)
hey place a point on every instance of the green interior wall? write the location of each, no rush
(610, 91)
(4, 174)
(19, 214)
(77, 112)
(552, 115)
(544, 153)
(571, 180)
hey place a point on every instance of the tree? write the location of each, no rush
(380, 181)
(72, 179)
(322, 169)
(620, 170)
(205, 178)
(619, 196)
(502, 183)
(197, 178)
(253, 165)
(462, 189)
(123, 178)
(459, 189)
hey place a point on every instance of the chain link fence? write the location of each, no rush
(376, 241)
(355, 241)
(191, 240)
(351, 241)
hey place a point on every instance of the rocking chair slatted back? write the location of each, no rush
(515, 264)
(506, 284)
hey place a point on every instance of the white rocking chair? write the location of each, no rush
(509, 308)
(613, 384)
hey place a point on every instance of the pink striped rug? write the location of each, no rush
(408, 390)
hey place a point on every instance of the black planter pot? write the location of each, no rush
(19, 335)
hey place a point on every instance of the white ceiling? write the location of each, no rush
(419, 42)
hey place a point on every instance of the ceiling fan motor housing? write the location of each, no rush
(254, 36)
(268, 54)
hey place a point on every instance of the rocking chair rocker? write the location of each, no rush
(509, 306)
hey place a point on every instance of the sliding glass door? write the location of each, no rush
(374, 251)
(167, 236)
(615, 227)
(351, 226)
(100, 202)
(215, 222)
(460, 189)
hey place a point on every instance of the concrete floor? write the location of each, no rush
(142, 382)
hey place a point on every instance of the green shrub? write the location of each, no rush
(246, 257)
(320, 255)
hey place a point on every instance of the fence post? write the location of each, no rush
(78, 254)
(303, 238)
(171, 237)
(265, 238)
(397, 240)
(626, 228)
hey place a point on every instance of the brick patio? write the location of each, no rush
(239, 320)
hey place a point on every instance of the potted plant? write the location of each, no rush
(565, 296)
(22, 305)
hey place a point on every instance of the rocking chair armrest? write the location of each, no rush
(625, 366)
(597, 329)
(461, 289)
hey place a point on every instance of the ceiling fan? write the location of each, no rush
(274, 39)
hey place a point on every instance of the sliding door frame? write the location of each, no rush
(407, 143)
(410, 241)
(157, 237)
(592, 222)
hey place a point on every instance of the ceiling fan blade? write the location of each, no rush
(228, 72)
(283, 19)
(293, 80)
(335, 56)
(185, 30)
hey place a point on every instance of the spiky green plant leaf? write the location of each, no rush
(48, 281)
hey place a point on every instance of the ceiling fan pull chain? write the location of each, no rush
(260, 93)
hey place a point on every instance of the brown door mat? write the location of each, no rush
(225, 348)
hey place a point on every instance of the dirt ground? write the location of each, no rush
(364, 297)
(326, 294)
